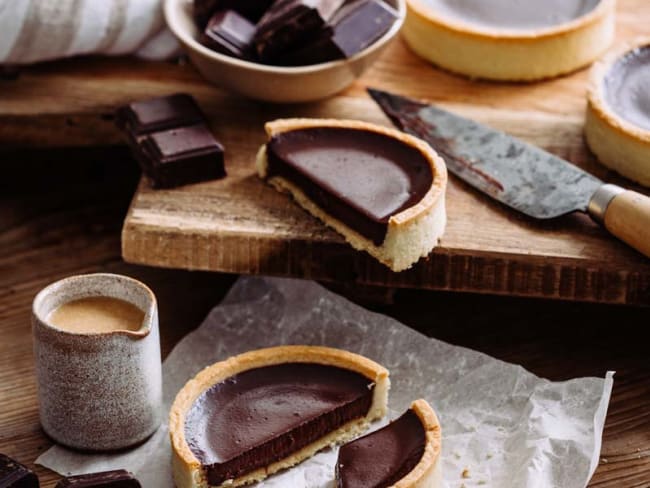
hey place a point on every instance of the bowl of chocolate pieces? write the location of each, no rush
(284, 50)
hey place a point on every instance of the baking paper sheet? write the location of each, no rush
(502, 426)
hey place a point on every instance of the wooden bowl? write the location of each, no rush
(274, 83)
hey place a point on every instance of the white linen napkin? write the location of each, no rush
(40, 30)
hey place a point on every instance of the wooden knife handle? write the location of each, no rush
(628, 217)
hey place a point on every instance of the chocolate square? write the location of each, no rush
(355, 27)
(15, 475)
(181, 156)
(229, 33)
(119, 478)
(159, 114)
(289, 22)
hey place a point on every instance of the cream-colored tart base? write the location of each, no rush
(187, 469)
(509, 55)
(411, 234)
(617, 143)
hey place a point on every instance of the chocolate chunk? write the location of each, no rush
(355, 27)
(384, 457)
(262, 415)
(181, 156)
(159, 114)
(170, 141)
(359, 177)
(107, 479)
(15, 475)
(251, 9)
(229, 33)
(289, 22)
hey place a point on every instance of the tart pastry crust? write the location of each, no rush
(412, 233)
(617, 143)
(187, 469)
(428, 472)
(509, 54)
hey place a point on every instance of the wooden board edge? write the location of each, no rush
(500, 274)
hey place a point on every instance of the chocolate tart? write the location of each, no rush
(383, 190)
(243, 419)
(617, 128)
(404, 454)
(509, 39)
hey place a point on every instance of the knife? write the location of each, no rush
(518, 174)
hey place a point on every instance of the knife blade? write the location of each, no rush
(518, 174)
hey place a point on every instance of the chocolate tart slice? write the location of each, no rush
(383, 190)
(243, 419)
(617, 128)
(404, 454)
(510, 39)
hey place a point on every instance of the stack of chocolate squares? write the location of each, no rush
(292, 32)
(171, 141)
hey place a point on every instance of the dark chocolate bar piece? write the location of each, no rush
(355, 27)
(159, 114)
(251, 9)
(181, 156)
(288, 23)
(108, 479)
(15, 475)
(229, 33)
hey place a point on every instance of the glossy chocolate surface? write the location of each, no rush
(512, 14)
(180, 156)
(229, 33)
(263, 415)
(359, 177)
(627, 87)
(287, 23)
(15, 475)
(118, 478)
(159, 114)
(354, 27)
(380, 459)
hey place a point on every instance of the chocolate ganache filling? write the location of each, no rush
(627, 87)
(263, 415)
(359, 177)
(380, 459)
(513, 14)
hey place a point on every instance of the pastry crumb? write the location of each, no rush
(489, 456)
(465, 474)
(604, 460)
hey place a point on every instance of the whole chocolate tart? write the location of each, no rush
(243, 419)
(518, 40)
(404, 454)
(383, 190)
(617, 128)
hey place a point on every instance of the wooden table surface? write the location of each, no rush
(240, 225)
(61, 213)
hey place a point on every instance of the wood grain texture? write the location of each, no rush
(628, 218)
(240, 225)
(61, 213)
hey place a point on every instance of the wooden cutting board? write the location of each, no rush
(241, 225)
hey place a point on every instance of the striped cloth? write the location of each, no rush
(39, 30)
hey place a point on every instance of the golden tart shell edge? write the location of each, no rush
(509, 55)
(187, 469)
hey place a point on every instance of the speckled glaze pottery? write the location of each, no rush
(98, 391)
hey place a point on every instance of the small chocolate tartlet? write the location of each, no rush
(243, 419)
(382, 189)
(510, 39)
(618, 111)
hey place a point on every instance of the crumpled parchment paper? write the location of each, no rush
(502, 426)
